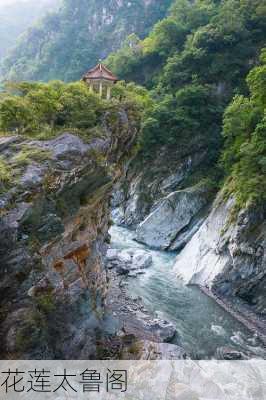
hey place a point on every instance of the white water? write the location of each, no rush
(202, 325)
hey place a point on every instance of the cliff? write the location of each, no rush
(227, 255)
(53, 234)
(165, 198)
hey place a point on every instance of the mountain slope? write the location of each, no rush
(195, 60)
(68, 42)
(205, 64)
(17, 17)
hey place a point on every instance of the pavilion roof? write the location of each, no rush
(100, 72)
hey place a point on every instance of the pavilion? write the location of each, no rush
(100, 80)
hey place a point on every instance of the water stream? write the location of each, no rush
(202, 325)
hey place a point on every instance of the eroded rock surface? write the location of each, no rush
(147, 181)
(166, 227)
(53, 235)
(227, 254)
(158, 199)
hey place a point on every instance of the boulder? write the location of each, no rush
(124, 257)
(112, 254)
(33, 176)
(160, 351)
(229, 354)
(165, 330)
(129, 262)
(141, 260)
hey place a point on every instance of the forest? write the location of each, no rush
(68, 41)
(202, 69)
(205, 67)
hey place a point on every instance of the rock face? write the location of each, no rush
(166, 226)
(159, 197)
(228, 255)
(53, 235)
(147, 183)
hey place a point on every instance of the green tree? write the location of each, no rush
(16, 115)
(31, 107)
(244, 156)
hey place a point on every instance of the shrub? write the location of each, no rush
(5, 175)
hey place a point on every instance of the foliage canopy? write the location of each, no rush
(244, 156)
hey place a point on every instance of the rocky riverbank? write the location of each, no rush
(142, 336)
(256, 324)
(205, 326)
(221, 246)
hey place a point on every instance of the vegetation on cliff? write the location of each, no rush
(244, 156)
(194, 62)
(29, 108)
(42, 110)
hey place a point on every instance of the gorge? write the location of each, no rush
(204, 329)
(133, 226)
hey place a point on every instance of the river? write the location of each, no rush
(202, 325)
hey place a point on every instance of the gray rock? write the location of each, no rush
(65, 146)
(161, 351)
(128, 262)
(143, 187)
(184, 237)
(124, 257)
(118, 216)
(174, 213)
(229, 256)
(131, 213)
(141, 260)
(162, 329)
(132, 275)
(227, 353)
(118, 197)
(200, 261)
(54, 225)
(112, 254)
(33, 176)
